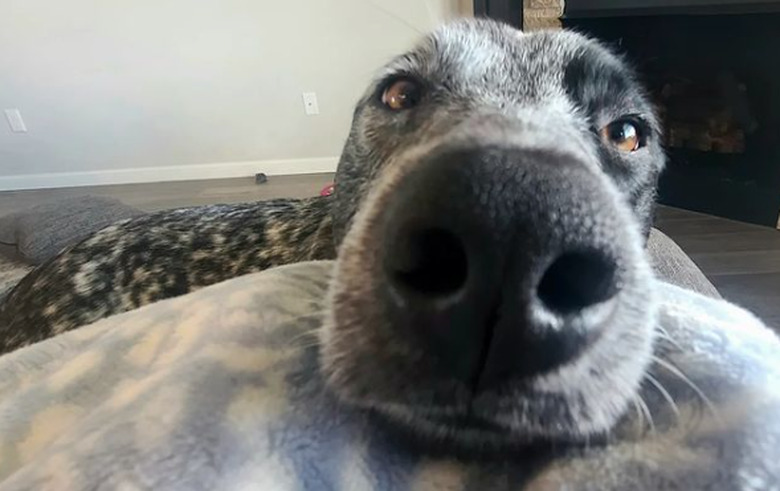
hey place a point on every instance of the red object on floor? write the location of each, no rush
(327, 190)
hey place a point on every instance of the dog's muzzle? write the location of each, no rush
(504, 262)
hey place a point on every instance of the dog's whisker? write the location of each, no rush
(665, 394)
(640, 419)
(587, 442)
(303, 335)
(666, 336)
(646, 409)
(676, 371)
(304, 347)
(305, 343)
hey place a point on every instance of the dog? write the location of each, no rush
(491, 208)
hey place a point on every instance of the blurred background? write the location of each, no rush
(142, 91)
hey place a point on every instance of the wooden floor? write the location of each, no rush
(743, 261)
(165, 195)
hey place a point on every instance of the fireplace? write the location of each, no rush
(713, 70)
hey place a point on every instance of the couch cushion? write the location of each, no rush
(674, 266)
(44, 230)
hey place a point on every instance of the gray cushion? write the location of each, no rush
(44, 230)
(672, 265)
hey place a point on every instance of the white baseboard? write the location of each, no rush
(168, 173)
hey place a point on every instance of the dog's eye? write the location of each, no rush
(623, 135)
(401, 94)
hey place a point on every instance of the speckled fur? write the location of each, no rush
(161, 255)
(485, 84)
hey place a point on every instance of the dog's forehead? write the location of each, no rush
(472, 49)
(479, 57)
(480, 52)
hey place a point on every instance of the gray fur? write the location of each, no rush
(485, 84)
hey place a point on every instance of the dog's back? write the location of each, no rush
(158, 256)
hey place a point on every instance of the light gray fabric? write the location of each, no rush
(219, 389)
(674, 266)
(44, 230)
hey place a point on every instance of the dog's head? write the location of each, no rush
(492, 204)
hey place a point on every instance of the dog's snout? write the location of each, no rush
(491, 262)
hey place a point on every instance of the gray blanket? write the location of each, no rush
(219, 389)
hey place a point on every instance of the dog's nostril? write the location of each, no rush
(576, 280)
(430, 262)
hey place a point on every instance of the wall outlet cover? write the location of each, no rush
(15, 121)
(310, 104)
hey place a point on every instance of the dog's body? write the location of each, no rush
(491, 207)
(161, 255)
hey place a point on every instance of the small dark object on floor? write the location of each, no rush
(261, 178)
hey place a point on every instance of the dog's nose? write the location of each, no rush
(576, 281)
(430, 263)
(503, 263)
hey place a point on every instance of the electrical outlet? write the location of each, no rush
(310, 104)
(15, 121)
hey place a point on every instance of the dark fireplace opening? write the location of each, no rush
(716, 82)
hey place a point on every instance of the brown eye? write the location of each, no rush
(623, 135)
(401, 94)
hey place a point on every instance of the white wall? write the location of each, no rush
(140, 90)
